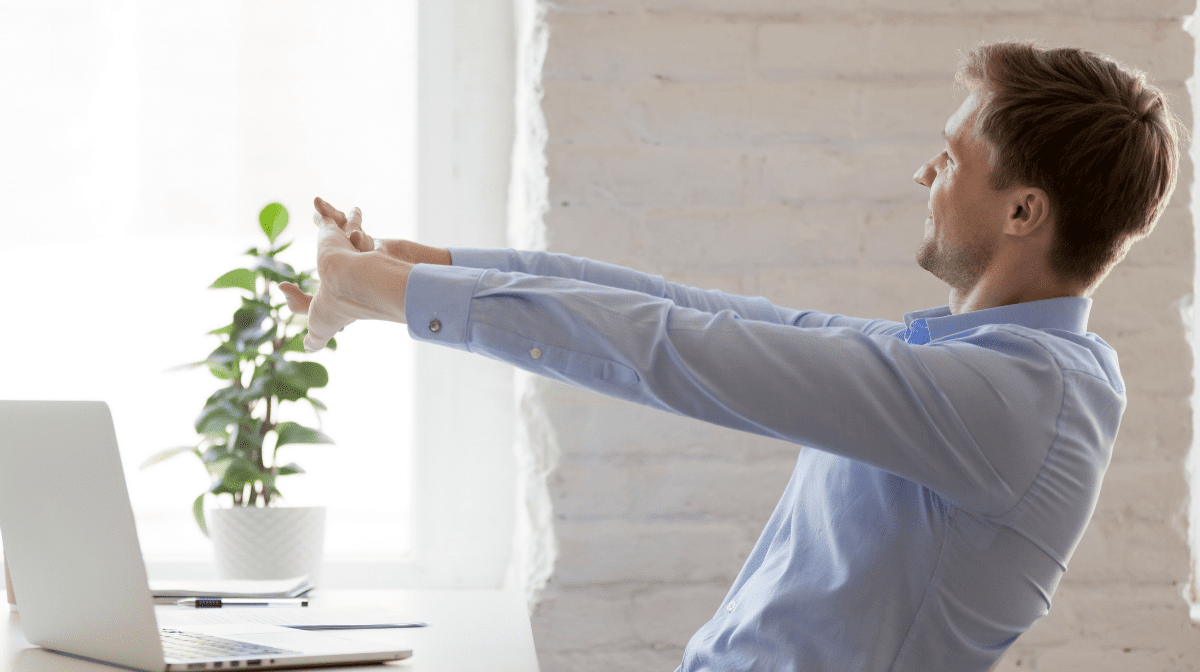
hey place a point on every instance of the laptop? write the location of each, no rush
(77, 566)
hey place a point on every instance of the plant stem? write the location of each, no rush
(267, 426)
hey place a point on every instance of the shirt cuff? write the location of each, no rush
(437, 303)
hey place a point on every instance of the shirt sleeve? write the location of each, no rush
(972, 419)
(551, 265)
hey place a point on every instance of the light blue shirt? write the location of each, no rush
(954, 460)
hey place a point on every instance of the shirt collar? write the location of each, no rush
(1067, 313)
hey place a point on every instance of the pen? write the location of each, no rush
(218, 602)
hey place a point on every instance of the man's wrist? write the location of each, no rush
(385, 280)
(426, 254)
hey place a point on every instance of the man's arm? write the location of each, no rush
(587, 270)
(971, 419)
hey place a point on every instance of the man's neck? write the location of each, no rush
(995, 290)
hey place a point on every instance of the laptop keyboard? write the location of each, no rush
(183, 646)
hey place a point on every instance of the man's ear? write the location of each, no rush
(1028, 211)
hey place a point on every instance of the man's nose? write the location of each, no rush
(921, 177)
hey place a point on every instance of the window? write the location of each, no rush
(149, 136)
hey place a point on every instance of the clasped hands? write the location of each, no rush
(362, 278)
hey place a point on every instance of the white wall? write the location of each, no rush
(767, 147)
(464, 467)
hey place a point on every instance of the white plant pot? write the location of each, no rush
(268, 543)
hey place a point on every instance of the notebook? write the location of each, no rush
(169, 592)
(77, 567)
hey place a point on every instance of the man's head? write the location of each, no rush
(1093, 145)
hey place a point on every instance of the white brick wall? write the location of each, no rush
(767, 147)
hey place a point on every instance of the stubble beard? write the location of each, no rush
(961, 267)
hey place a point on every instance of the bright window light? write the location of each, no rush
(141, 140)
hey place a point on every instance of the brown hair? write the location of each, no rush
(1098, 138)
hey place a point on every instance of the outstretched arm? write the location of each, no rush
(967, 417)
(551, 265)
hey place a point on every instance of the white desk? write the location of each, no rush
(469, 631)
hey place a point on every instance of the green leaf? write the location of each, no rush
(212, 457)
(221, 361)
(224, 373)
(251, 321)
(227, 329)
(291, 432)
(225, 358)
(275, 270)
(248, 317)
(165, 455)
(273, 219)
(294, 343)
(236, 476)
(198, 513)
(246, 439)
(229, 394)
(254, 303)
(293, 379)
(250, 342)
(317, 404)
(251, 328)
(216, 418)
(289, 469)
(219, 488)
(281, 248)
(288, 392)
(239, 277)
(222, 354)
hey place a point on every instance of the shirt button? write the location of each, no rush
(435, 326)
(535, 353)
(732, 605)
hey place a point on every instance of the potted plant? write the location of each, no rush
(241, 428)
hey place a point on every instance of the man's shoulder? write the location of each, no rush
(1069, 351)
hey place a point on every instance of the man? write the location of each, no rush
(954, 460)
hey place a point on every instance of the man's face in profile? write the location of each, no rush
(966, 215)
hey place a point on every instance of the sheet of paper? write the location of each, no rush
(175, 617)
